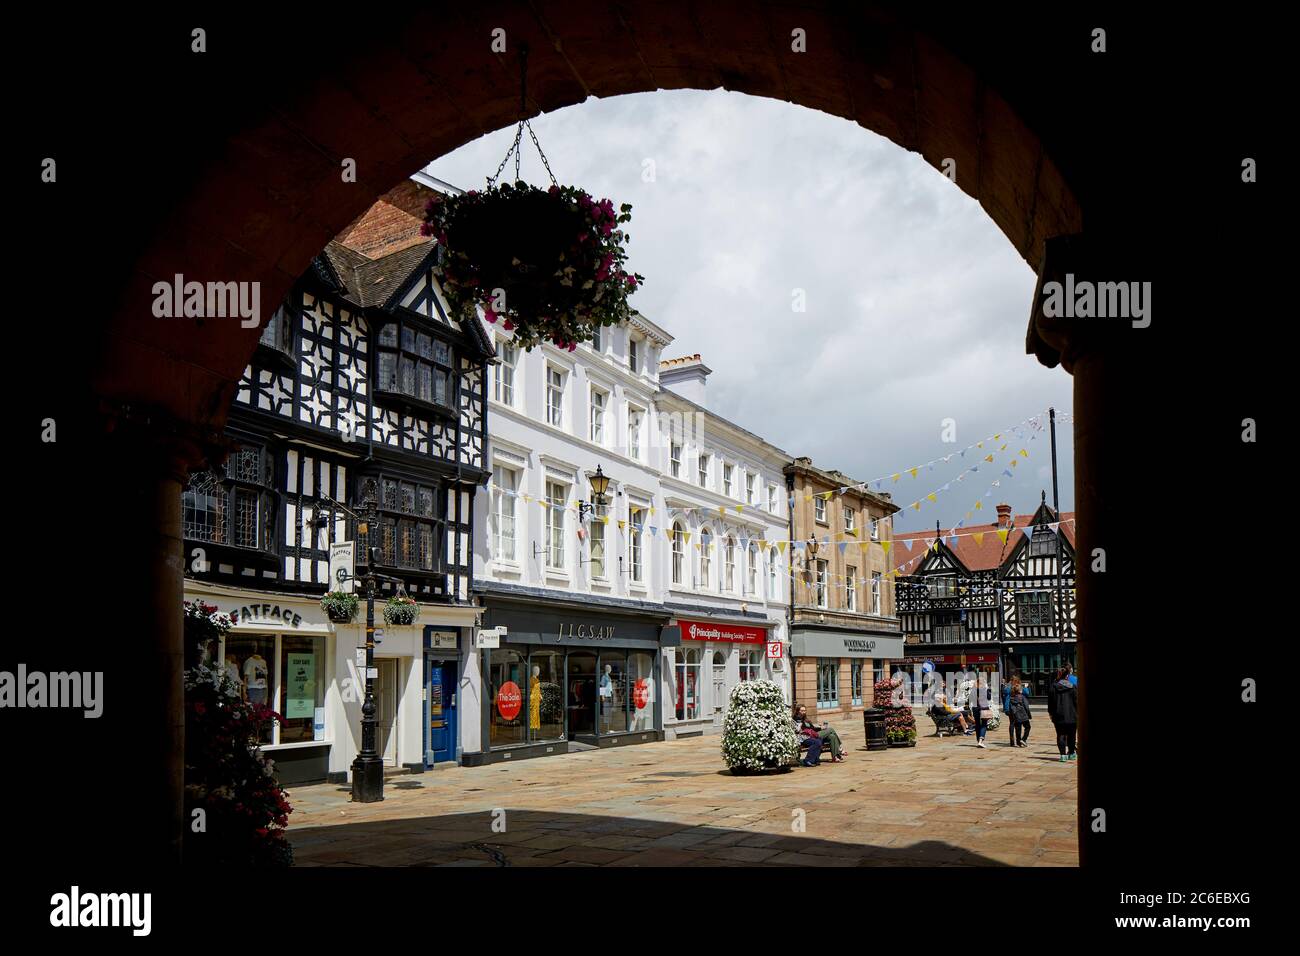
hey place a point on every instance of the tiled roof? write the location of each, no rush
(372, 282)
(984, 556)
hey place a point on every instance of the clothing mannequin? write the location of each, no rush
(535, 700)
(255, 672)
(606, 685)
(231, 670)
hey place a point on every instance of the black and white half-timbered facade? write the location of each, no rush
(991, 598)
(363, 391)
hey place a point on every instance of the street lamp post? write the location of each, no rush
(368, 767)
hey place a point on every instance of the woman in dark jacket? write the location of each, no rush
(1063, 708)
(1016, 707)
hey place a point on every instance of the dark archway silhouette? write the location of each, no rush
(226, 166)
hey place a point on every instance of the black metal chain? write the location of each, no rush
(519, 129)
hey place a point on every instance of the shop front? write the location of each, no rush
(284, 652)
(1036, 664)
(559, 677)
(835, 671)
(949, 670)
(712, 658)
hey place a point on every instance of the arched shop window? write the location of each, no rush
(688, 684)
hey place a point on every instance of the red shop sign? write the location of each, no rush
(717, 631)
(509, 700)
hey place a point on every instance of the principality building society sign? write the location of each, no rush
(845, 644)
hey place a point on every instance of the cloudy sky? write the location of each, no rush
(915, 304)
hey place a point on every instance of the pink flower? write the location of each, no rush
(489, 314)
(573, 346)
(631, 282)
(508, 325)
(554, 189)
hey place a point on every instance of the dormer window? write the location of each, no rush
(414, 365)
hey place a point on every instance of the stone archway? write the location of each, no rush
(258, 192)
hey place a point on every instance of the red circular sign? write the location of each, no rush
(641, 693)
(509, 700)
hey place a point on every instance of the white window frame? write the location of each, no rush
(556, 557)
(875, 529)
(751, 482)
(678, 568)
(728, 479)
(675, 459)
(773, 582)
(819, 508)
(503, 387)
(597, 534)
(876, 591)
(822, 576)
(504, 506)
(706, 542)
(771, 499)
(728, 583)
(635, 545)
(751, 570)
(850, 519)
(635, 417)
(555, 396)
(597, 403)
(702, 463)
(633, 356)
(850, 588)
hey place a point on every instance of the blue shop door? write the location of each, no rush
(439, 712)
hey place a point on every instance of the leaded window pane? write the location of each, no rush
(408, 339)
(406, 375)
(441, 387)
(424, 345)
(203, 506)
(424, 383)
(408, 498)
(388, 545)
(441, 353)
(424, 501)
(388, 371)
(391, 499)
(426, 547)
(246, 518)
(388, 335)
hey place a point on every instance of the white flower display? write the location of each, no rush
(758, 732)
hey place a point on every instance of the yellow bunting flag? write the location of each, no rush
(851, 531)
(863, 545)
(621, 524)
(997, 436)
(686, 537)
(916, 506)
(1002, 534)
(932, 497)
(979, 506)
(722, 510)
(604, 519)
(979, 444)
(1023, 453)
(739, 508)
(781, 546)
(912, 471)
(896, 477)
(762, 543)
(808, 497)
(886, 545)
(979, 537)
(988, 457)
(935, 545)
(1014, 462)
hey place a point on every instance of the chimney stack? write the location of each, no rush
(686, 376)
(1004, 516)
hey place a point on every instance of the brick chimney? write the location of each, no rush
(686, 376)
(1004, 516)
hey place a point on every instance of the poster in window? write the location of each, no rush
(301, 678)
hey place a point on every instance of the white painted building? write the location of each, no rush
(617, 631)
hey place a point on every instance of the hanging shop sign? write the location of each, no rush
(718, 631)
(774, 650)
(342, 566)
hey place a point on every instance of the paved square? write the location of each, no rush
(942, 802)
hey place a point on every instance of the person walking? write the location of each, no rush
(1017, 709)
(1063, 709)
(981, 708)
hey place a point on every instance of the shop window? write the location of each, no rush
(828, 683)
(750, 664)
(688, 678)
(545, 694)
(641, 707)
(506, 689)
(856, 681)
(611, 691)
(249, 662)
(302, 686)
(719, 681)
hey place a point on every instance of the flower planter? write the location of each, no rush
(903, 743)
(340, 606)
(399, 613)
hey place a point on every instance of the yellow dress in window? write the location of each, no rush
(535, 704)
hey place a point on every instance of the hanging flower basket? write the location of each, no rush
(401, 610)
(547, 263)
(340, 606)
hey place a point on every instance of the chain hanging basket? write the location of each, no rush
(401, 610)
(546, 263)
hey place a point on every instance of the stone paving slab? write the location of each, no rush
(944, 802)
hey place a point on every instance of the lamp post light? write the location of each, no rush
(599, 485)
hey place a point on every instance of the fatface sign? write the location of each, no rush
(264, 613)
(717, 631)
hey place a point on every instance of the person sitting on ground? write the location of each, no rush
(941, 704)
(825, 733)
(808, 736)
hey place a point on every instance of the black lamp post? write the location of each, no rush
(368, 767)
